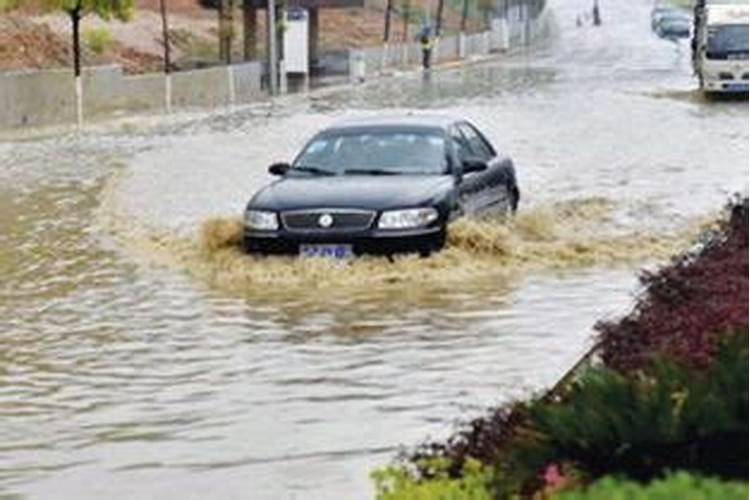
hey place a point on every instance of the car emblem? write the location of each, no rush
(325, 220)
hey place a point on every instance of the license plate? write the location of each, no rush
(737, 87)
(326, 251)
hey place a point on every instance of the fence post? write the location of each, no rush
(357, 68)
(79, 101)
(230, 84)
(168, 92)
(283, 82)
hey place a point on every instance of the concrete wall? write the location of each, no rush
(525, 22)
(33, 99)
(106, 90)
(247, 78)
(201, 88)
(43, 98)
(446, 49)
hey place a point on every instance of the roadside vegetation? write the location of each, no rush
(659, 411)
(98, 40)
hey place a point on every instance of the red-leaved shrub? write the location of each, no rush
(687, 306)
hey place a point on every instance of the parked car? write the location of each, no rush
(380, 186)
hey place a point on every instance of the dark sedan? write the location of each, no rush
(380, 186)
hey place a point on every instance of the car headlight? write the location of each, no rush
(262, 220)
(407, 219)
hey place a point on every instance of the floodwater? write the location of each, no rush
(142, 356)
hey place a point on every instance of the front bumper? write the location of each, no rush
(725, 85)
(373, 242)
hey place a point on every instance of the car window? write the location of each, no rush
(461, 145)
(478, 144)
(385, 151)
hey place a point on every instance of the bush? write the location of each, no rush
(98, 40)
(688, 305)
(676, 486)
(398, 483)
(481, 439)
(641, 427)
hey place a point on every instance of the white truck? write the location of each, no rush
(720, 45)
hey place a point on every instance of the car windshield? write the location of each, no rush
(728, 39)
(416, 152)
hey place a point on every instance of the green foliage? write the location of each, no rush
(669, 418)
(105, 9)
(6, 5)
(681, 486)
(98, 40)
(398, 483)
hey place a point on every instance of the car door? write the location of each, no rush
(489, 191)
(470, 184)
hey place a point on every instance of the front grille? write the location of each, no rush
(726, 76)
(342, 220)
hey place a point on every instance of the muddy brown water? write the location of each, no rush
(141, 356)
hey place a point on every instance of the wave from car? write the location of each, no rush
(380, 186)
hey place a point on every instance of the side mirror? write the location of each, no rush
(279, 168)
(474, 165)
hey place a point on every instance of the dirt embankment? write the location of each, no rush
(32, 39)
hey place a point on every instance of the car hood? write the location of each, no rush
(368, 192)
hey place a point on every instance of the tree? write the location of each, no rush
(78, 9)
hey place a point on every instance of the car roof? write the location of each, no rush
(396, 121)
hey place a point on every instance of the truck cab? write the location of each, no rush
(720, 46)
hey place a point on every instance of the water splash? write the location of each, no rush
(563, 235)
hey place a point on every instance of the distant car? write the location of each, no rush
(380, 186)
(658, 12)
(676, 24)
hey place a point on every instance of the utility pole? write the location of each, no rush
(167, 58)
(271, 43)
(387, 30)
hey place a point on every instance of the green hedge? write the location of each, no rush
(672, 418)
(680, 486)
(397, 483)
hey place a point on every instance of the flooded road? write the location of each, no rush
(142, 357)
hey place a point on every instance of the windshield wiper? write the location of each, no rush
(313, 169)
(370, 171)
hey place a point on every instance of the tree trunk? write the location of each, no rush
(439, 22)
(387, 29)
(225, 27)
(313, 36)
(165, 36)
(230, 29)
(406, 8)
(75, 18)
(464, 15)
(250, 30)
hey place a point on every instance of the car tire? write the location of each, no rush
(514, 198)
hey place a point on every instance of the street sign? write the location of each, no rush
(296, 52)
